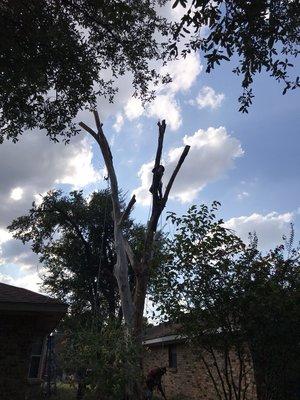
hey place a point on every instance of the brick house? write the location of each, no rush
(186, 377)
(26, 318)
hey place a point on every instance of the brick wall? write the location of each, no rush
(18, 332)
(190, 380)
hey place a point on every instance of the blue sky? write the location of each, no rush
(251, 165)
(264, 180)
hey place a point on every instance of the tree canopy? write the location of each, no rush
(74, 238)
(75, 241)
(256, 34)
(230, 297)
(56, 57)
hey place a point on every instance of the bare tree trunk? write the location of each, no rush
(158, 205)
(133, 304)
(121, 267)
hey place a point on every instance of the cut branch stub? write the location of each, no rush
(97, 120)
(161, 135)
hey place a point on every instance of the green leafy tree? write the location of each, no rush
(104, 354)
(236, 305)
(268, 297)
(256, 34)
(75, 242)
(74, 238)
(56, 57)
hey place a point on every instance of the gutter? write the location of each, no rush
(164, 339)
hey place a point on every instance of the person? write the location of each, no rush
(156, 187)
(153, 381)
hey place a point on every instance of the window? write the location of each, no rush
(172, 356)
(35, 358)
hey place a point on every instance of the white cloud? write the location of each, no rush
(4, 236)
(133, 108)
(6, 279)
(32, 166)
(242, 195)
(184, 73)
(16, 193)
(212, 153)
(119, 122)
(166, 107)
(30, 281)
(79, 170)
(13, 251)
(269, 228)
(170, 13)
(207, 97)
(35, 164)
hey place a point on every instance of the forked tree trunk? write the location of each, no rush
(133, 304)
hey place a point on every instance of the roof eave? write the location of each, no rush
(35, 307)
(164, 339)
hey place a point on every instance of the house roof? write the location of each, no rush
(163, 333)
(161, 330)
(14, 297)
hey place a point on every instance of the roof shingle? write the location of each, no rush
(14, 294)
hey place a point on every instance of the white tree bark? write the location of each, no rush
(121, 267)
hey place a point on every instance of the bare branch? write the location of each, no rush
(211, 377)
(159, 204)
(101, 136)
(132, 258)
(161, 134)
(126, 213)
(89, 130)
(108, 159)
(176, 170)
(216, 365)
(97, 120)
(133, 308)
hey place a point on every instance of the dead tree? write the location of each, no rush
(133, 303)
